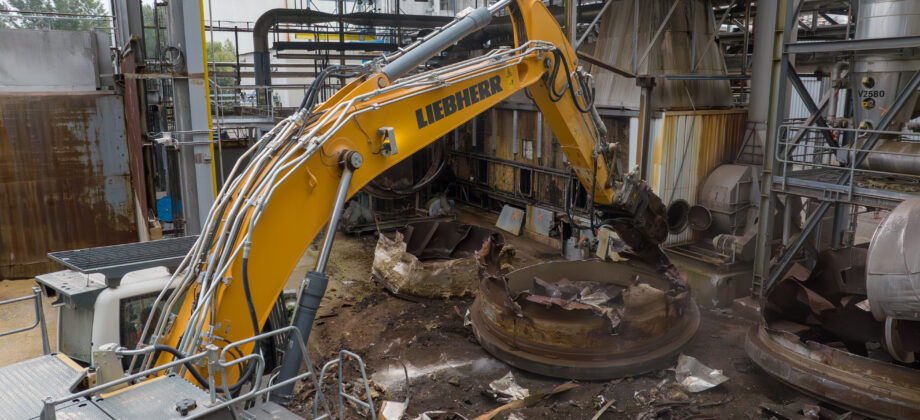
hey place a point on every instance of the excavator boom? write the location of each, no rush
(265, 218)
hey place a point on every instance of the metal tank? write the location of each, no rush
(893, 279)
(684, 46)
(876, 80)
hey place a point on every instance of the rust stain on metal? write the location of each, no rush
(64, 177)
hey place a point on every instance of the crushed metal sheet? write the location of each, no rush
(432, 259)
(440, 415)
(631, 319)
(694, 376)
(599, 297)
(505, 389)
(392, 410)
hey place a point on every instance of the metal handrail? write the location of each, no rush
(821, 150)
(216, 364)
(39, 317)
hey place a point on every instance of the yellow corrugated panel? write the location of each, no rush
(690, 145)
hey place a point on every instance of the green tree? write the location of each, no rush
(150, 38)
(222, 53)
(90, 10)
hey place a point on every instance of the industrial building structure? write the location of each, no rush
(604, 199)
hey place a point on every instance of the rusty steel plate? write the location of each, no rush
(866, 386)
(574, 341)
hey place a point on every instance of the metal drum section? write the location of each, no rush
(588, 320)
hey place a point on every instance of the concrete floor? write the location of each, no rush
(25, 345)
(354, 304)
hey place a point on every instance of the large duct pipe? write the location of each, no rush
(265, 22)
(893, 265)
(894, 156)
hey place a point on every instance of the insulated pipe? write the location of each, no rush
(893, 265)
(836, 73)
(894, 156)
(474, 21)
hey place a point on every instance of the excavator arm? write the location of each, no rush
(264, 219)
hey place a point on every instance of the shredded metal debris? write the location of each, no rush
(694, 376)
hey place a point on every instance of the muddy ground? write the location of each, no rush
(448, 370)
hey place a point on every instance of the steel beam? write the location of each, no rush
(853, 45)
(810, 104)
(770, 21)
(780, 268)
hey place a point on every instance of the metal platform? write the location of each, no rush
(117, 260)
(72, 288)
(24, 384)
(155, 399)
(868, 190)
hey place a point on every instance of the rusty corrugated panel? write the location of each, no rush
(689, 146)
(64, 177)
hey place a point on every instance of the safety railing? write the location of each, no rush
(216, 360)
(802, 149)
(36, 297)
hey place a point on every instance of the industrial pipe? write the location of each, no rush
(894, 156)
(836, 74)
(472, 22)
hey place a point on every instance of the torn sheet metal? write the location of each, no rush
(694, 376)
(604, 321)
(603, 299)
(431, 259)
(505, 389)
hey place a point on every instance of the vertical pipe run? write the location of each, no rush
(787, 221)
(645, 121)
(571, 20)
(539, 135)
(514, 133)
(183, 120)
(475, 127)
(635, 57)
(40, 316)
(494, 128)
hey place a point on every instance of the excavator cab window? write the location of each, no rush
(133, 312)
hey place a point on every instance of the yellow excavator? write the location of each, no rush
(203, 350)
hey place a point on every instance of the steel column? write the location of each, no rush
(903, 97)
(809, 103)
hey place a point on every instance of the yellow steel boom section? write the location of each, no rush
(280, 201)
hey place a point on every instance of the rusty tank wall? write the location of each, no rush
(65, 182)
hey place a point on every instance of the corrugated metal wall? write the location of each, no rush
(64, 177)
(516, 156)
(687, 148)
